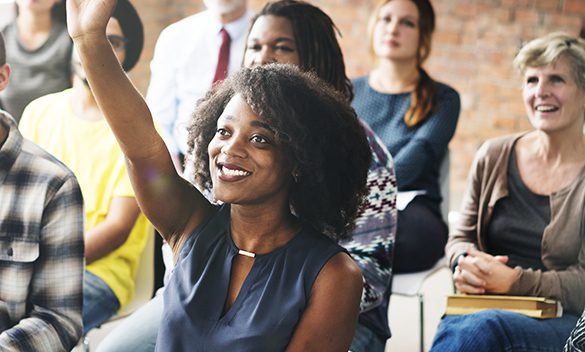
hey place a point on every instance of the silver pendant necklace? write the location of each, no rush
(246, 253)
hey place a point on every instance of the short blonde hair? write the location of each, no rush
(549, 48)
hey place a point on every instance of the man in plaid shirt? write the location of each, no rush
(41, 243)
(576, 342)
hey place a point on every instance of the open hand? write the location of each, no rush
(87, 18)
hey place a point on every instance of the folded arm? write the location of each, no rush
(113, 232)
(567, 285)
(482, 273)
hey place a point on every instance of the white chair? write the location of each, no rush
(143, 288)
(444, 185)
(410, 285)
(143, 282)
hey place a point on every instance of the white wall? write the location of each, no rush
(6, 12)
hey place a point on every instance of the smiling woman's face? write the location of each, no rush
(552, 97)
(247, 166)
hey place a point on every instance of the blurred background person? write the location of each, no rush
(416, 118)
(38, 51)
(191, 55)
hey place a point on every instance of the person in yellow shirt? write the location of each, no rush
(70, 125)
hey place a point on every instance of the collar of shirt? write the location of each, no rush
(235, 29)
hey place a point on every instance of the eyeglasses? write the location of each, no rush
(118, 42)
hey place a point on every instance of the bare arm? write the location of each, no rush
(111, 233)
(171, 204)
(328, 323)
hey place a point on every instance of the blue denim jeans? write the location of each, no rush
(497, 330)
(137, 332)
(365, 340)
(99, 302)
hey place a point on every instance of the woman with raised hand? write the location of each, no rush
(415, 116)
(286, 157)
(296, 32)
(522, 227)
(38, 51)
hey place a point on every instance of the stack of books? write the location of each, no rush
(536, 307)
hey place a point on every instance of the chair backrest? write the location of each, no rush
(444, 185)
(144, 280)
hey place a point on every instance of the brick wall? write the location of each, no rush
(474, 44)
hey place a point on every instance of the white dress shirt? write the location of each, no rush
(182, 70)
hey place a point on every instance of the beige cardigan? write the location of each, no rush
(563, 240)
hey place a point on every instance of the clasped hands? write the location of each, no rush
(478, 272)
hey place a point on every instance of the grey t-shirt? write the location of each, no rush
(38, 72)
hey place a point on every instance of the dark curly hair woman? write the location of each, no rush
(328, 175)
(287, 158)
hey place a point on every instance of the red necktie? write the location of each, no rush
(224, 57)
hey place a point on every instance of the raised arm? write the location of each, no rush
(171, 204)
(567, 285)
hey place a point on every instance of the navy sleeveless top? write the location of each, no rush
(268, 307)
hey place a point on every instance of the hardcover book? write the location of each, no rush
(536, 307)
